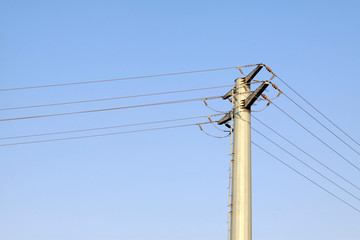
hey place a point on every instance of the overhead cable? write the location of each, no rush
(306, 153)
(104, 134)
(321, 123)
(113, 98)
(317, 110)
(108, 127)
(307, 165)
(312, 181)
(211, 135)
(125, 78)
(108, 109)
(344, 158)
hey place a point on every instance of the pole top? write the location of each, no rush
(254, 72)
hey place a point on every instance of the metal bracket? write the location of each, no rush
(245, 80)
(226, 118)
(255, 95)
(251, 75)
(250, 100)
(229, 94)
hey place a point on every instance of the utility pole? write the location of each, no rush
(241, 210)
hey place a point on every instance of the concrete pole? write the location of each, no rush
(241, 220)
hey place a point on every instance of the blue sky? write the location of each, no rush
(171, 184)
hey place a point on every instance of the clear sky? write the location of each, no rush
(171, 184)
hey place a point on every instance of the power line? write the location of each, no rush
(317, 110)
(312, 157)
(108, 127)
(121, 79)
(356, 209)
(104, 134)
(320, 123)
(303, 150)
(347, 160)
(108, 109)
(307, 165)
(113, 98)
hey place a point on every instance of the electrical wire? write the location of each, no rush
(113, 98)
(121, 79)
(211, 134)
(321, 123)
(303, 151)
(317, 110)
(213, 123)
(307, 165)
(213, 109)
(344, 158)
(318, 139)
(108, 109)
(108, 127)
(104, 134)
(312, 181)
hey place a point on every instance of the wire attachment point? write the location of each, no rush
(211, 134)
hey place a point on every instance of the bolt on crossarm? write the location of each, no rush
(241, 217)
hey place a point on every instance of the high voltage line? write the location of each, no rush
(186, 125)
(317, 110)
(104, 134)
(109, 109)
(307, 165)
(320, 123)
(114, 98)
(306, 153)
(332, 149)
(170, 74)
(309, 179)
(108, 127)
(125, 78)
